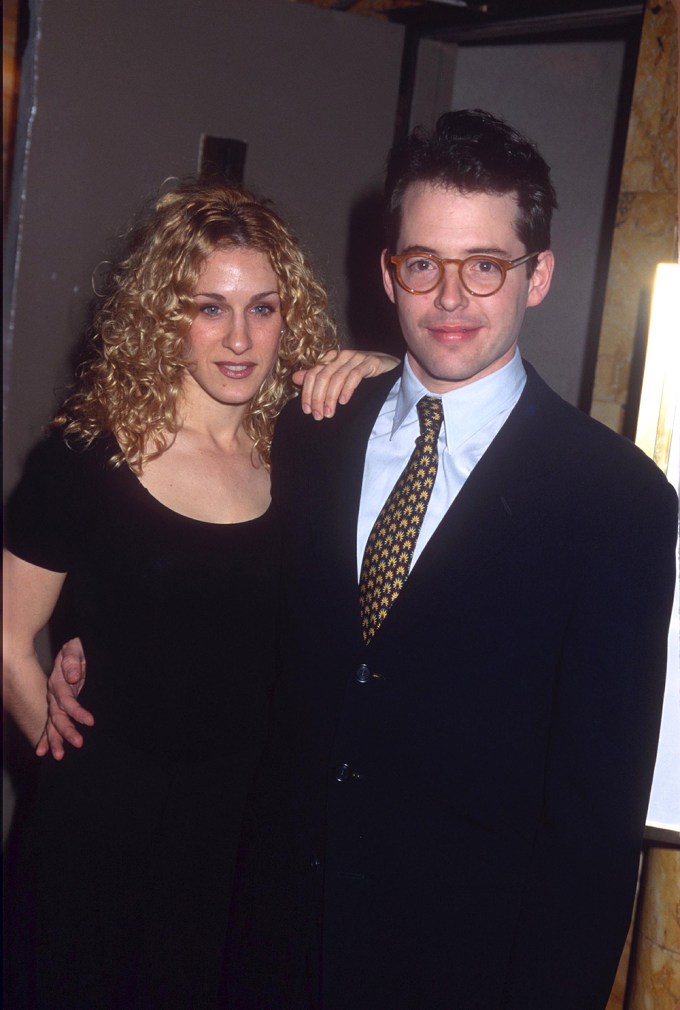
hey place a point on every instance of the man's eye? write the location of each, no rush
(482, 266)
(420, 265)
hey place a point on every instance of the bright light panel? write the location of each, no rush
(661, 381)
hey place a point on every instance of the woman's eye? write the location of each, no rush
(264, 310)
(210, 310)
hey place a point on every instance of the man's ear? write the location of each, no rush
(539, 282)
(387, 275)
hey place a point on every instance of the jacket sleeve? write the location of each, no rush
(579, 891)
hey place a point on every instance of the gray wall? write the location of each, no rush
(120, 97)
(121, 94)
(565, 96)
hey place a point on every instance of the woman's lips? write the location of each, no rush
(236, 369)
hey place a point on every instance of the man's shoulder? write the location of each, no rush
(581, 439)
(293, 424)
(569, 424)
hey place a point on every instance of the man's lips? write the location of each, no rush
(236, 369)
(451, 333)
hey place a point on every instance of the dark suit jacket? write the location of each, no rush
(463, 800)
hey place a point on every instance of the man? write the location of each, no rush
(450, 809)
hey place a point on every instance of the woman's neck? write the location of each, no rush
(219, 423)
(210, 470)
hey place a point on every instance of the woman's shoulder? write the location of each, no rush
(63, 469)
(58, 449)
(59, 492)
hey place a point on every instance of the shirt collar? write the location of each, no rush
(467, 408)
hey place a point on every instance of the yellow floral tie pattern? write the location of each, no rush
(389, 550)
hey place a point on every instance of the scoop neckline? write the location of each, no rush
(181, 515)
(193, 519)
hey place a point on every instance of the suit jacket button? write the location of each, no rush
(342, 773)
(314, 863)
(363, 674)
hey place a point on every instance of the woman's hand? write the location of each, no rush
(63, 687)
(335, 377)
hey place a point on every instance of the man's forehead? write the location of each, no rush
(441, 192)
(424, 201)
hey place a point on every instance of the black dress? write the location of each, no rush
(121, 863)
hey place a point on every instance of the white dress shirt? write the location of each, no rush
(473, 416)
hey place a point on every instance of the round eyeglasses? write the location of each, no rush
(419, 273)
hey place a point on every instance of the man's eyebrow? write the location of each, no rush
(489, 250)
(474, 251)
(419, 248)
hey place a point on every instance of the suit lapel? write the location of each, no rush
(502, 494)
(339, 467)
(500, 497)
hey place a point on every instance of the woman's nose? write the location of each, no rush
(237, 337)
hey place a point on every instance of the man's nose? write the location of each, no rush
(450, 293)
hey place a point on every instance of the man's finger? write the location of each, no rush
(63, 726)
(73, 669)
(42, 747)
(55, 741)
(69, 707)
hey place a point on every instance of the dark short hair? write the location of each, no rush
(474, 152)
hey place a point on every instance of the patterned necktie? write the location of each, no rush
(389, 550)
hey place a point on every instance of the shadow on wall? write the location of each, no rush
(371, 317)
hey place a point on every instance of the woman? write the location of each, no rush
(146, 513)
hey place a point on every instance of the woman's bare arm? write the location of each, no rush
(30, 595)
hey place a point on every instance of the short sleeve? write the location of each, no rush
(43, 516)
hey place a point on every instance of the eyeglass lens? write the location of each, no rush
(480, 275)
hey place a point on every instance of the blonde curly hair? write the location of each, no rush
(131, 383)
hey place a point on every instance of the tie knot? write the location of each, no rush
(430, 414)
